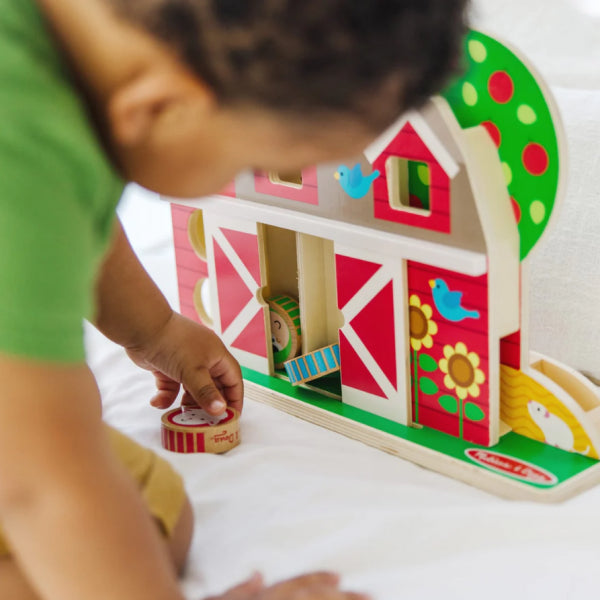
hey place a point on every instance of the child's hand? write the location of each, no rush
(186, 353)
(314, 586)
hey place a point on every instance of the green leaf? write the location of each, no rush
(473, 412)
(427, 363)
(427, 386)
(449, 404)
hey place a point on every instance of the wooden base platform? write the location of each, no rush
(469, 472)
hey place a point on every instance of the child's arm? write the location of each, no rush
(74, 519)
(133, 312)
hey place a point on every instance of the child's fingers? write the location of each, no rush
(187, 399)
(312, 586)
(244, 590)
(228, 375)
(168, 389)
(320, 579)
(234, 395)
(201, 387)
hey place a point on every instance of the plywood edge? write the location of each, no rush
(574, 383)
(467, 473)
(319, 314)
(569, 402)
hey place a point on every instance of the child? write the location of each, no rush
(177, 95)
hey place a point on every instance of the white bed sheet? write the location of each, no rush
(294, 497)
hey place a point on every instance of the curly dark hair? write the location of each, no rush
(371, 59)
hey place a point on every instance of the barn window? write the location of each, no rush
(291, 179)
(408, 183)
(289, 184)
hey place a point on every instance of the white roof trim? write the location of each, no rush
(425, 132)
(374, 150)
(437, 254)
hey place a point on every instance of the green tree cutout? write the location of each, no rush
(497, 90)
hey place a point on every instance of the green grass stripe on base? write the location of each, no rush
(564, 465)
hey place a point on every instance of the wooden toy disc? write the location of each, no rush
(192, 429)
(286, 334)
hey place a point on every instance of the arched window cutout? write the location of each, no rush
(408, 183)
(289, 184)
(291, 179)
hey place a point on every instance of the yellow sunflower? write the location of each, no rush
(420, 324)
(462, 374)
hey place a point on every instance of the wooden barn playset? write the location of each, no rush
(387, 298)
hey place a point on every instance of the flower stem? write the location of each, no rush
(416, 384)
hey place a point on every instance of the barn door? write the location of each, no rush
(235, 276)
(370, 291)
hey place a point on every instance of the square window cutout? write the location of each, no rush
(408, 184)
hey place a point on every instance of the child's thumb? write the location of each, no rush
(203, 392)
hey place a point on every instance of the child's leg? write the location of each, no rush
(181, 538)
(162, 490)
(165, 497)
(14, 585)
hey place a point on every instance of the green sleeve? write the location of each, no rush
(58, 193)
(47, 270)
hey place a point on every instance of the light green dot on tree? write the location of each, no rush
(526, 114)
(507, 173)
(537, 210)
(469, 94)
(423, 173)
(477, 51)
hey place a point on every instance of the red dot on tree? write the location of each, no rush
(415, 202)
(535, 159)
(494, 132)
(516, 209)
(501, 87)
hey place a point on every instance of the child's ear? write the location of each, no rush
(153, 98)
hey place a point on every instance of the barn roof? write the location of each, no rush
(419, 123)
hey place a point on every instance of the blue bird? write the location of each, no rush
(448, 303)
(353, 182)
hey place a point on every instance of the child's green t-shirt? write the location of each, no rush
(58, 193)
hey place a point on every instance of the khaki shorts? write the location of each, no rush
(161, 487)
